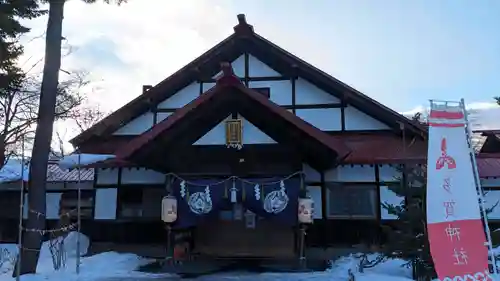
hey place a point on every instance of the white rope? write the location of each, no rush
(67, 214)
(235, 178)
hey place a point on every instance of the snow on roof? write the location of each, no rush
(81, 160)
(13, 171)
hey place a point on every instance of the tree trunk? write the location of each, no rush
(3, 151)
(32, 240)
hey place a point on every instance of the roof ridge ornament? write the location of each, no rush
(243, 28)
(228, 77)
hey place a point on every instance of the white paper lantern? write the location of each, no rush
(306, 210)
(169, 209)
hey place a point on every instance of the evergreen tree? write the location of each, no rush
(11, 12)
(407, 237)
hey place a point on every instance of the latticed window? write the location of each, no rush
(352, 201)
(234, 133)
(69, 204)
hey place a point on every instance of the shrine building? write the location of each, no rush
(237, 136)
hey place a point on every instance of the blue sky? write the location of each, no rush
(401, 53)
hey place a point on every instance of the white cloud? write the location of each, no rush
(144, 41)
(483, 115)
(141, 42)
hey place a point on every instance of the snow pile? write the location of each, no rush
(105, 265)
(79, 160)
(13, 170)
(70, 243)
(390, 270)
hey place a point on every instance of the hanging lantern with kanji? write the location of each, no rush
(169, 209)
(306, 210)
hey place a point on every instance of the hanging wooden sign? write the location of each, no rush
(234, 133)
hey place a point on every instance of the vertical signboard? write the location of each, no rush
(455, 229)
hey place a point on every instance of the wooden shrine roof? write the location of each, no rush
(245, 40)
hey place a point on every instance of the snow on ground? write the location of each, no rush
(97, 267)
(113, 266)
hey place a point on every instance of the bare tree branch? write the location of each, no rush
(19, 109)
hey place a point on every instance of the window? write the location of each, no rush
(9, 200)
(266, 91)
(352, 201)
(69, 204)
(130, 202)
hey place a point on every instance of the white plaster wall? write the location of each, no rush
(351, 173)
(315, 193)
(238, 67)
(51, 208)
(307, 93)
(107, 176)
(357, 120)
(257, 68)
(105, 203)
(280, 91)
(207, 86)
(310, 174)
(251, 135)
(388, 173)
(53, 205)
(160, 116)
(137, 126)
(389, 197)
(25, 207)
(182, 97)
(141, 176)
(326, 119)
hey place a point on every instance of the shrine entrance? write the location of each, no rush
(240, 217)
(239, 233)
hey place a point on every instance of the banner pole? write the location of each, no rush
(479, 188)
(21, 215)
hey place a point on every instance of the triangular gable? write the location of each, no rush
(251, 134)
(196, 119)
(244, 40)
(256, 68)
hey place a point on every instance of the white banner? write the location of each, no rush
(455, 229)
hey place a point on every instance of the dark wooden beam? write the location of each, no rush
(247, 69)
(254, 79)
(313, 106)
(360, 132)
(201, 87)
(293, 80)
(377, 182)
(251, 160)
(342, 113)
(324, 210)
(298, 106)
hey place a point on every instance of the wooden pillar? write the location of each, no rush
(324, 219)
